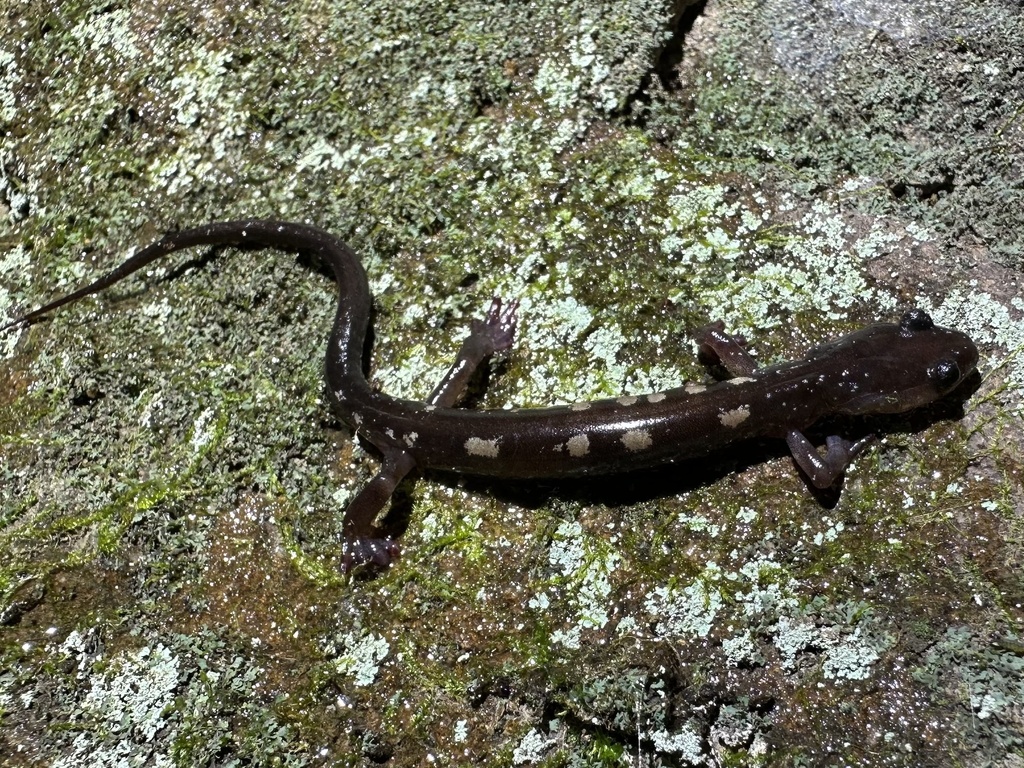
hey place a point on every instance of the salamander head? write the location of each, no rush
(892, 368)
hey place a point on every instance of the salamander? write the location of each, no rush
(880, 369)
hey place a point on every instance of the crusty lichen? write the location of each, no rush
(169, 461)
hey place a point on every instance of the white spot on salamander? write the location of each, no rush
(357, 419)
(637, 440)
(656, 397)
(694, 389)
(579, 407)
(410, 439)
(476, 446)
(429, 408)
(740, 380)
(735, 417)
(627, 400)
(578, 445)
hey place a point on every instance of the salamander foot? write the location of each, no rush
(497, 330)
(376, 553)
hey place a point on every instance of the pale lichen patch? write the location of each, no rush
(627, 400)
(656, 397)
(694, 389)
(362, 656)
(579, 407)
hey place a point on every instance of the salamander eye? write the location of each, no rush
(945, 374)
(916, 320)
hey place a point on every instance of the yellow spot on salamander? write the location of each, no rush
(637, 440)
(476, 446)
(578, 445)
(627, 400)
(735, 417)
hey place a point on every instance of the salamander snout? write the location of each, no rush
(955, 356)
(891, 368)
(933, 360)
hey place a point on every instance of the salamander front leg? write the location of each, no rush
(714, 345)
(823, 471)
(363, 543)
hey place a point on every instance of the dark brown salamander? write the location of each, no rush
(885, 368)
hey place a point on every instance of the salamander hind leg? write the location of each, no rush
(364, 544)
(498, 326)
(823, 471)
(494, 333)
(716, 347)
(373, 552)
